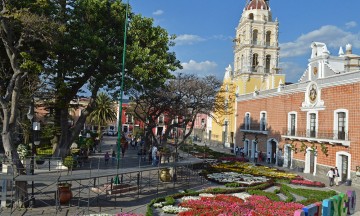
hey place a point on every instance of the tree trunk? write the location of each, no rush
(21, 193)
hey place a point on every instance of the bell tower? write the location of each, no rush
(256, 47)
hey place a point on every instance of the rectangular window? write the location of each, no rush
(312, 125)
(341, 125)
(292, 124)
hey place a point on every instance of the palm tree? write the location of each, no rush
(104, 112)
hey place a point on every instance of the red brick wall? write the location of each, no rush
(278, 107)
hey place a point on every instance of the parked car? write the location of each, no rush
(111, 133)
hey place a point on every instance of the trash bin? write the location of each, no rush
(348, 182)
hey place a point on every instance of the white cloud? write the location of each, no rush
(222, 37)
(292, 70)
(332, 36)
(158, 12)
(204, 67)
(187, 39)
(351, 24)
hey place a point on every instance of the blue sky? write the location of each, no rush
(206, 28)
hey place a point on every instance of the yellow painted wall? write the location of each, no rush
(246, 84)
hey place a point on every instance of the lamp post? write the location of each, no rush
(117, 180)
(35, 127)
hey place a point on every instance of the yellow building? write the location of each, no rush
(256, 65)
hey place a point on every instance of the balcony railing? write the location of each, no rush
(255, 128)
(332, 136)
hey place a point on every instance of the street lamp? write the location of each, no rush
(117, 180)
(35, 127)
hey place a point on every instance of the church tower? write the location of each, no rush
(255, 68)
(256, 47)
(256, 43)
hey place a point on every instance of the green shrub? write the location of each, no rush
(169, 200)
(69, 162)
(44, 151)
(269, 195)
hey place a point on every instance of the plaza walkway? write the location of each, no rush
(135, 204)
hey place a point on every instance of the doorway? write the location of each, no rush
(312, 161)
(288, 156)
(344, 167)
(273, 151)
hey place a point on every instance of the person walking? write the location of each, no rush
(107, 157)
(154, 154)
(256, 155)
(124, 145)
(330, 174)
(268, 157)
(336, 176)
(113, 157)
(236, 151)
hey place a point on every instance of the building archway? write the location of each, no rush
(288, 154)
(254, 147)
(310, 161)
(343, 163)
(272, 147)
(247, 150)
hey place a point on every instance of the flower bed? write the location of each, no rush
(233, 159)
(251, 169)
(233, 177)
(233, 205)
(307, 183)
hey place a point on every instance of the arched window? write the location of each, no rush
(255, 62)
(267, 63)
(255, 37)
(247, 121)
(251, 16)
(268, 38)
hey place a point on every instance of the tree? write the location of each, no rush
(26, 31)
(181, 99)
(104, 111)
(89, 55)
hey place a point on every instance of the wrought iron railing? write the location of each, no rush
(317, 134)
(255, 127)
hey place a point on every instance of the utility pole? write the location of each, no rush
(117, 180)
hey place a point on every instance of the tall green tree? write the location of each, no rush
(104, 112)
(89, 56)
(27, 29)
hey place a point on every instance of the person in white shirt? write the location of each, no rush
(268, 157)
(256, 155)
(330, 174)
(336, 176)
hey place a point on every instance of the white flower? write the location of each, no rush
(206, 195)
(190, 198)
(22, 151)
(159, 205)
(229, 177)
(242, 196)
(174, 209)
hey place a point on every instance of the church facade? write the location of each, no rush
(311, 125)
